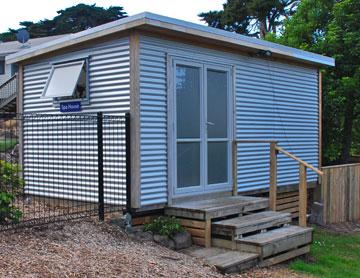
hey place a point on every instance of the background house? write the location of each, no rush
(8, 80)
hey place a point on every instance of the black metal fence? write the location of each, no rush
(61, 167)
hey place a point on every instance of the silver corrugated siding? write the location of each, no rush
(109, 82)
(273, 101)
(153, 126)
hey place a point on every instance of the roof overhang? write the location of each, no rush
(154, 22)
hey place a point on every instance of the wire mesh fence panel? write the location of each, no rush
(60, 167)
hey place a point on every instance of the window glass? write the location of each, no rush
(217, 103)
(188, 164)
(67, 81)
(2, 67)
(217, 162)
(188, 101)
(14, 69)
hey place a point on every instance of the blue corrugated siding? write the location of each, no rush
(109, 85)
(273, 101)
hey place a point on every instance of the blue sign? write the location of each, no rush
(74, 106)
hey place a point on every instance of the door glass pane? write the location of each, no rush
(217, 103)
(188, 101)
(188, 164)
(217, 162)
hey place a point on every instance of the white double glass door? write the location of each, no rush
(202, 127)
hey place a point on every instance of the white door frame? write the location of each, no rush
(172, 136)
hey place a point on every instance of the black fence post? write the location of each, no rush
(128, 162)
(100, 166)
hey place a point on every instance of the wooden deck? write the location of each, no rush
(216, 208)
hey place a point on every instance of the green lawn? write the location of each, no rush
(334, 256)
(7, 144)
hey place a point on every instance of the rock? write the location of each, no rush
(172, 244)
(162, 240)
(123, 222)
(182, 240)
(143, 236)
(316, 216)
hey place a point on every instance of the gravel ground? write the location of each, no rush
(91, 249)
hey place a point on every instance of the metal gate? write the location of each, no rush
(61, 167)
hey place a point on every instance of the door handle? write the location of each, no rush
(210, 123)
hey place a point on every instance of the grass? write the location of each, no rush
(334, 256)
(7, 144)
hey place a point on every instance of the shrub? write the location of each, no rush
(10, 186)
(164, 225)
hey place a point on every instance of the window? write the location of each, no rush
(2, 67)
(67, 81)
(14, 69)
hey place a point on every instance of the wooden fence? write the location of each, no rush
(341, 193)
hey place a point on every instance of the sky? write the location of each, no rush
(14, 11)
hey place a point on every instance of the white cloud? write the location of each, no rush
(14, 11)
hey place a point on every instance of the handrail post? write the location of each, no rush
(302, 195)
(234, 168)
(273, 176)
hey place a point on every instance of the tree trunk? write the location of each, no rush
(347, 131)
(263, 30)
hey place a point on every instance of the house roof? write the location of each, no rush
(152, 21)
(11, 47)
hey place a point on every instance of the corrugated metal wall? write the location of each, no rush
(153, 106)
(109, 82)
(273, 101)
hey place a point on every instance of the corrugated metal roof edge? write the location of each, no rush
(164, 22)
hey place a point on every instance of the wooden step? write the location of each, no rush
(275, 241)
(238, 226)
(224, 260)
(285, 256)
(217, 208)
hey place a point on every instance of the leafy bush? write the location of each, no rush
(10, 186)
(164, 225)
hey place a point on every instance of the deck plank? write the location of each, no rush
(215, 208)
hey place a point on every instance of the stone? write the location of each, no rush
(162, 240)
(143, 236)
(316, 216)
(182, 240)
(172, 244)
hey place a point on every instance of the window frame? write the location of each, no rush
(86, 99)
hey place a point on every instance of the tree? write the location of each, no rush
(69, 20)
(332, 28)
(343, 43)
(251, 17)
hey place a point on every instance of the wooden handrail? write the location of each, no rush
(254, 141)
(316, 170)
(274, 150)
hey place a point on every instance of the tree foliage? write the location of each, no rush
(69, 20)
(251, 17)
(332, 28)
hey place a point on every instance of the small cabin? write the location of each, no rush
(209, 109)
(191, 90)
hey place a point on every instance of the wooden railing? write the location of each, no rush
(8, 90)
(274, 150)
